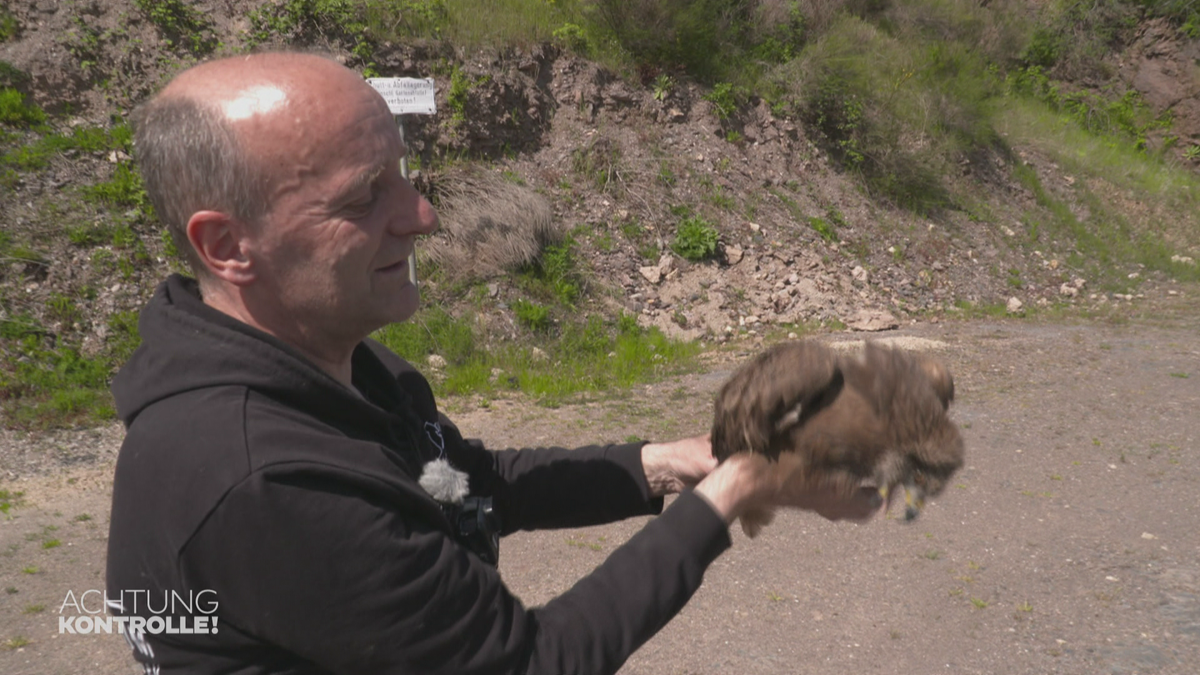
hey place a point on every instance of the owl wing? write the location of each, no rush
(780, 388)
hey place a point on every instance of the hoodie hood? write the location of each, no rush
(188, 345)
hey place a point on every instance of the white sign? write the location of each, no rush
(406, 95)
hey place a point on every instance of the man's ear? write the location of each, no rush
(220, 240)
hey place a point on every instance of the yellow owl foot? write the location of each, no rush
(914, 501)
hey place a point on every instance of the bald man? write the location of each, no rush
(288, 494)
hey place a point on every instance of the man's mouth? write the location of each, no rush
(394, 267)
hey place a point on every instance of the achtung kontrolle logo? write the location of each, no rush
(170, 612)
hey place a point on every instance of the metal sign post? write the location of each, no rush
(407, 96)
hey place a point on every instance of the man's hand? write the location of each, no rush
(750, 483)
(747, 482)
(797, 492)
(673, 467)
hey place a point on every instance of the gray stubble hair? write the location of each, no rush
(190, 161)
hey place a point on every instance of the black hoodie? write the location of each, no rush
(257, 492)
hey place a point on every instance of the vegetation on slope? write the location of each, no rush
(900, 95)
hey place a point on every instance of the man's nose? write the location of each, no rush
(412, 214)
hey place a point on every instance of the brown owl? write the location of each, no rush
(842, 422)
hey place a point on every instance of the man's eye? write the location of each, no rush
(361, 207)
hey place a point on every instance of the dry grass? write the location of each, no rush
(489, 225)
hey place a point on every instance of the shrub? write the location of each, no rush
(1126, 115)
(662, 32)
(456, 96)
(695, 239)
(15, 111)
(712, 40)
(723, 99)
(823, 228)
(572, 37)
(559, 269)
(8, 25)
(532, 315)
(1043, 49)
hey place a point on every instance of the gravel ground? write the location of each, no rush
(1067, 544)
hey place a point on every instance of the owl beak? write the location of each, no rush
(914, 501)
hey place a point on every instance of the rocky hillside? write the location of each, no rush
(705, 215)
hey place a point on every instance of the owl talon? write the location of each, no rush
(888, 494)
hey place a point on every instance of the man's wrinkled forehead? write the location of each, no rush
(287, 109)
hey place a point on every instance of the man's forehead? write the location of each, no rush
(245, 86)
(257, 99)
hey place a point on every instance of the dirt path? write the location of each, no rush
(1068, 544)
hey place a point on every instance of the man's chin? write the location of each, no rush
(405, 305)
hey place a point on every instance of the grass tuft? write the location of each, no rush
(10, 500)
(14, 643)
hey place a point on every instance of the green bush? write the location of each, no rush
(9, 27)
(836, 112)
(15, 111)
(572, 37)
(712, 40)
(560, 268)
(823, 228)
(456, 96)
(723, 99)
(423, 17)
(532, 315)
(1125, 116)
(1043, 50)
(899, 105)
(660, 32)
(777, 38)
(555, 275)
(1075, 37)
(695, 239)
(303, 19)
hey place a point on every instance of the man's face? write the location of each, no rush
(333, 248)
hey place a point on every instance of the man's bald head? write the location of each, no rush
(210, 139)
